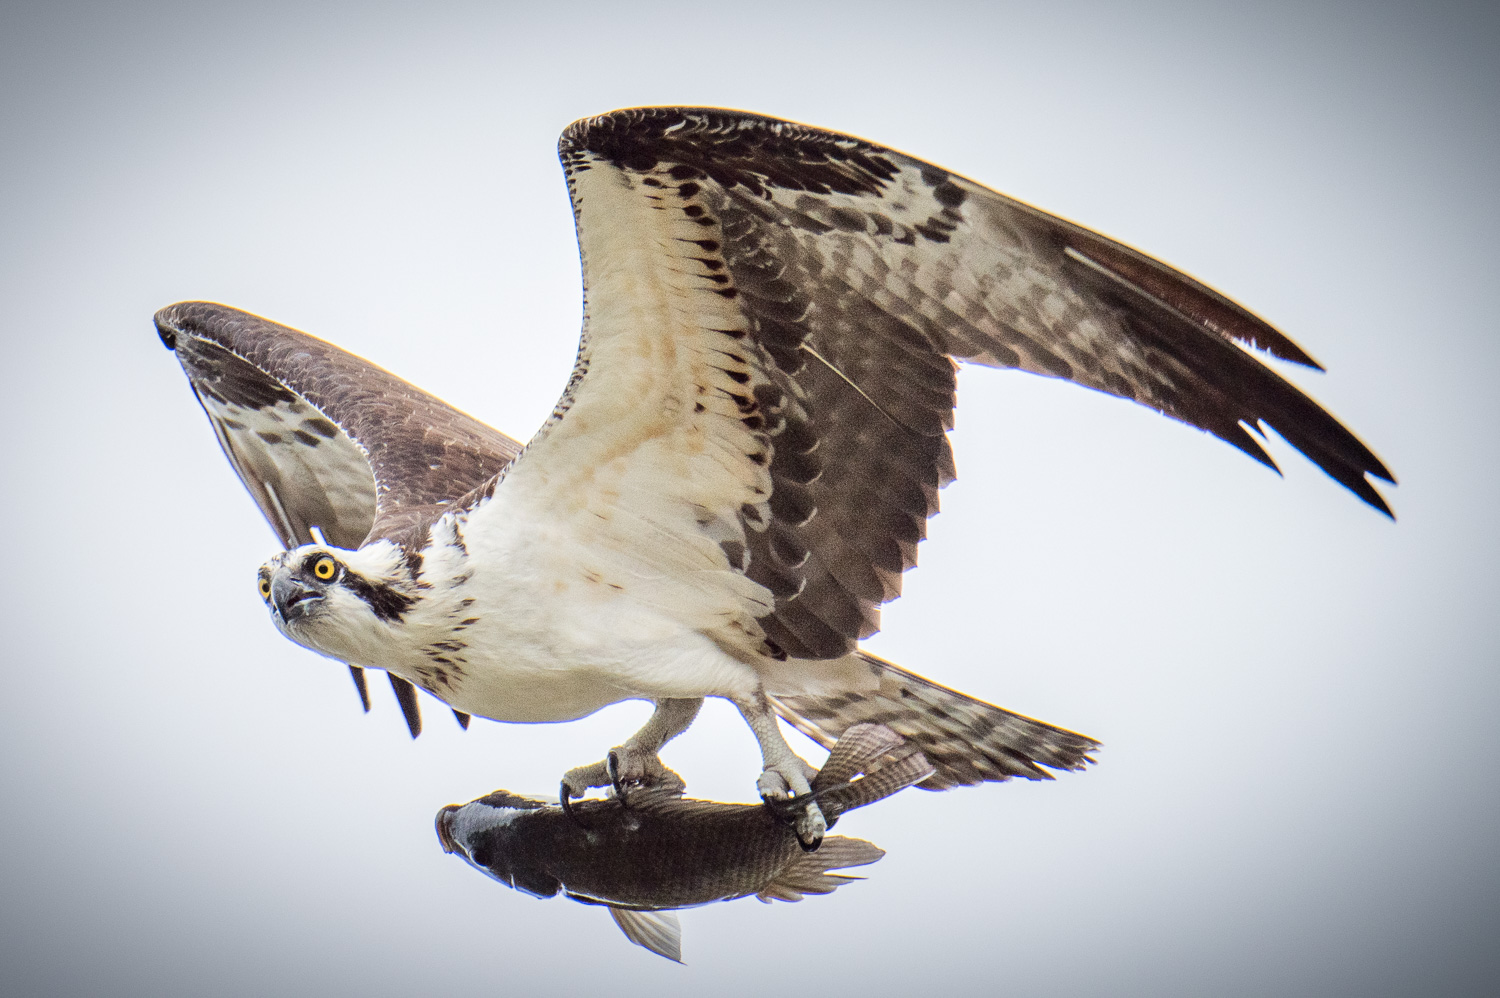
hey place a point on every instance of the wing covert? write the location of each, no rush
(324, 439)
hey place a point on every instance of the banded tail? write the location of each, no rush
(967, 741)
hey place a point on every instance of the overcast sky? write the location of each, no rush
(1297, 697)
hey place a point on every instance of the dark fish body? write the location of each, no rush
(657, 850)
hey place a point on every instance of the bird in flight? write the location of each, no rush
(741, 465)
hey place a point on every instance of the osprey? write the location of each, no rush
(745, 457)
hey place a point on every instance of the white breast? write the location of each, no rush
(526, 622)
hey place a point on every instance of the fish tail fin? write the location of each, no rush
(967, 740)
(809, 872)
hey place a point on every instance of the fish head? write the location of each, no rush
(487, 834)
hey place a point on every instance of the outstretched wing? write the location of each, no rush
(767, 368)
(325, 440)
(322, 438)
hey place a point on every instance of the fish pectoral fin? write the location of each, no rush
(657, 931)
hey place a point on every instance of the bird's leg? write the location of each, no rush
(636, 763)
(786, 774)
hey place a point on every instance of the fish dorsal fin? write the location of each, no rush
(887, 761)
(657, 931)
(808, 873)
(858, 749)
(902, 768)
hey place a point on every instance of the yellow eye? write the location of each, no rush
(325, 568)
(265, 588)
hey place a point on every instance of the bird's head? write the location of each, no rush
(338, 602)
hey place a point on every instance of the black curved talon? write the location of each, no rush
(563, 794)
(782, 807)
(612, 767)
(787, 810)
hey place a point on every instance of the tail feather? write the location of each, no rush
(966, 740)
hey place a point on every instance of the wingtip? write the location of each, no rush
(1371, 496)
(1183, 294)
(178, 317)
(165, 330)
(1239, 437)
(1343, 457)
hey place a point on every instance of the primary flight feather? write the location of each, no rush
(744, 460)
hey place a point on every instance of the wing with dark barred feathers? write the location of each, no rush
(810, 293)
(322, 438)
(325, 440)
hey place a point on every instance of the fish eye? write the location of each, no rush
(325, 568)
(265, 587)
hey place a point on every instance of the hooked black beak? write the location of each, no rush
(445, 836)
(291, 597)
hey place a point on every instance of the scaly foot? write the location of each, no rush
(786, 792)
(626, 767)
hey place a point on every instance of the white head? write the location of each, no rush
(341, 603)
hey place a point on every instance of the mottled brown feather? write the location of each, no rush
(863, 274)
(423, 453)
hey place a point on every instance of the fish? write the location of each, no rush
(645, 853)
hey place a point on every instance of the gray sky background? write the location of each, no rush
(1298, 698)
